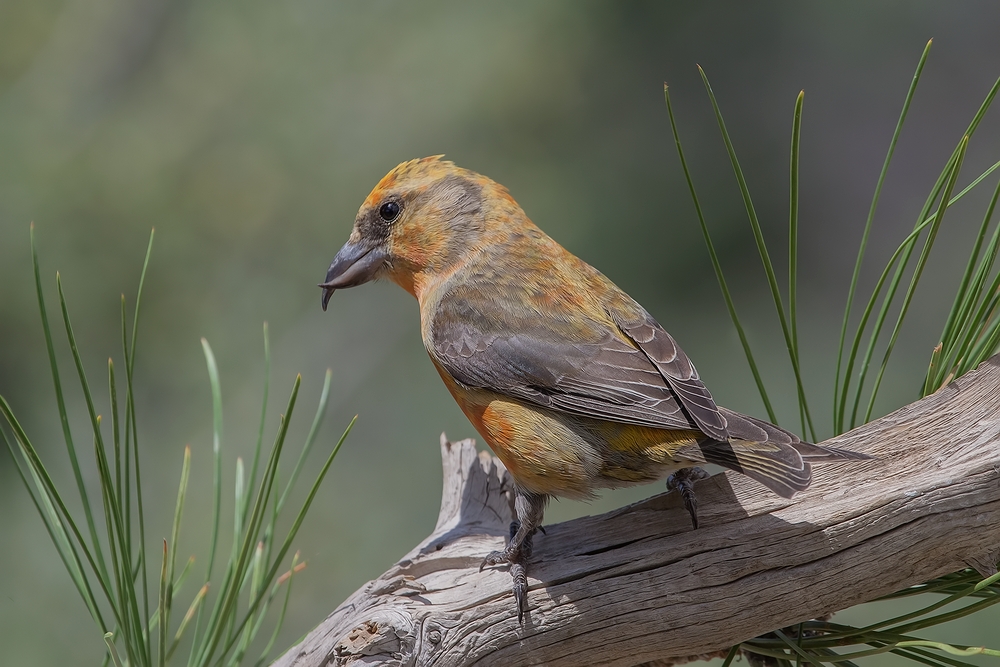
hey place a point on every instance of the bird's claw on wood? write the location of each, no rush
(520, 576)
(515, 555)
(511, 554)
(683, 481)
(495, 558)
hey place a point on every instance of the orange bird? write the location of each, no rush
(569, 380)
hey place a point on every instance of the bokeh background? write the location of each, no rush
(248, 134)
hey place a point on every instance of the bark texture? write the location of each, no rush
(637, 584)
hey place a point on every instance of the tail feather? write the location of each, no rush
(780, 469)
(776, 458)
(751, 429)
(811, 452)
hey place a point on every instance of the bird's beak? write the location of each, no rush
(355, 264)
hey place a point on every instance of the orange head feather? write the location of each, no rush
(421, 219)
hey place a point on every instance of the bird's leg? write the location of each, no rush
(529, 508)
(683, 481)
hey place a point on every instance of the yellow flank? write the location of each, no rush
(655, 444)
(567, 455)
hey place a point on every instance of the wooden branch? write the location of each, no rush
(637, 584)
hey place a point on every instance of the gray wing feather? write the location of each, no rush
(603, 377)
(675, 366)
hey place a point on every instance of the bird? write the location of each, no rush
(572, 383)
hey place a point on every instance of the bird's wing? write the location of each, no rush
(676, 368)
(575, 364)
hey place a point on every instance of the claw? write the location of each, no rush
(683, 481)
(495, 558)
(519, 574)
(514, 557)
(509, 555)
(690, 504)
(529, 509)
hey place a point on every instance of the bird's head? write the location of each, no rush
(423, 217)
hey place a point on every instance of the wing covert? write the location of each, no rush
(677, 369)
(584, 368)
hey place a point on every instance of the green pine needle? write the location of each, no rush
(120, 573)
(838, 408)
(765, 257)
(716, 265)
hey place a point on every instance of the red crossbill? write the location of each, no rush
(569, 380)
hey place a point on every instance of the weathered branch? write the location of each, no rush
(637, 584)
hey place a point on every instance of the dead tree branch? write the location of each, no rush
(637, 584)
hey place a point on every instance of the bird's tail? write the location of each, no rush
(769, 454)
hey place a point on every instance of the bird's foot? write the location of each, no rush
(515, 555)
(501, 557)
(683, 481)
(510, 554)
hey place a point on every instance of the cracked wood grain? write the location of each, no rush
(637, 584)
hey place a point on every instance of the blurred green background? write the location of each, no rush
(249, 133)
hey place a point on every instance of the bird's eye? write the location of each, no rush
(389, 211)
